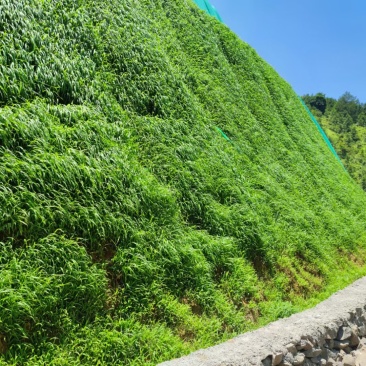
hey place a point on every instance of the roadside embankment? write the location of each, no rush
(329, 334)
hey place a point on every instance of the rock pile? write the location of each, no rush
(340, 346)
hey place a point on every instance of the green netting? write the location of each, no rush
(223, 134)
(325, 137)
(206, 6)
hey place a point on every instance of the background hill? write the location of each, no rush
(344, 121)
(162, 188)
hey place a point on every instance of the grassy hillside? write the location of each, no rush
(344, 121)
(161, 189)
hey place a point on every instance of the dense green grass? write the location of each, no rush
(131, 231)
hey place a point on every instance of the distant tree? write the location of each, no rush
(350, 104)
(349, 98)
(361, 119)
(320, 102)
(317, 101)
(353, 133)
(330, 104)
(340, 121)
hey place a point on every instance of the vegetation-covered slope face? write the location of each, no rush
(344, 121)
(131, 230)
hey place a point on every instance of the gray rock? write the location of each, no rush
(315, 360)
(329, 353)
(304, 345)
(354, 329)
(285, 363)
(314, 352)
(361, 320)
(277, 358)
(344, 333)
(354, 340)
(321, 341)
(361, 358)
(330, 343)
(362, 343)
(348, 360)
(340, 356)
(362, 330)
(331, 362)
(341, 344)
(289, 358)
(299, 359)
(267, 361)
(359, 312)
(348, 349)
(332, 331)
(291, 348)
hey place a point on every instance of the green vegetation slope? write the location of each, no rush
(131, 230)
(344, 121)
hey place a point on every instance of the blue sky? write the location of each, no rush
(316, 45)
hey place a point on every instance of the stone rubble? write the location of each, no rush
(333, 333)
(341, 346)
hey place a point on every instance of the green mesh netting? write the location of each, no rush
(206, 6)
(325, 137)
